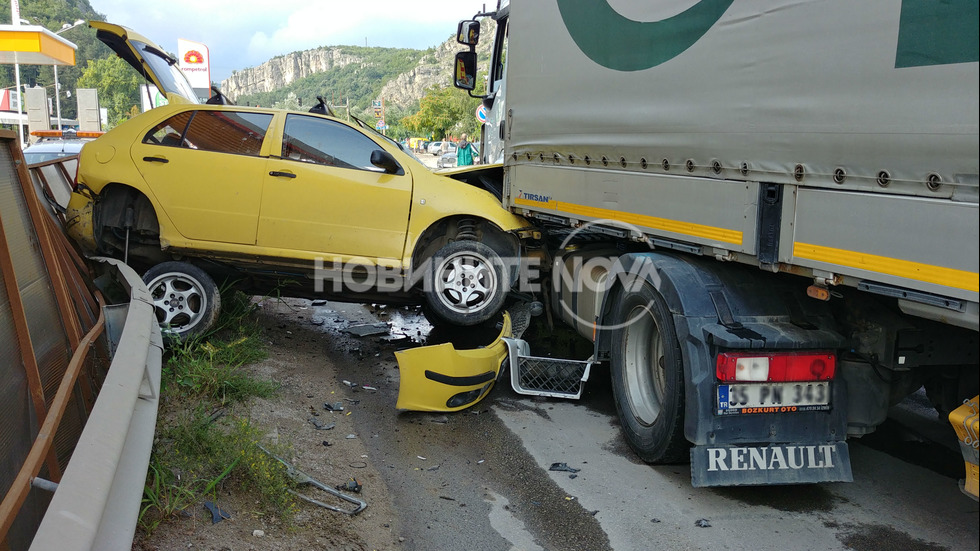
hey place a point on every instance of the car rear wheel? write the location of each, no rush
(467, 284)
(185, 299)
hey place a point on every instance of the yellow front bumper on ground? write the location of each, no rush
(441, 378)
(966, 423)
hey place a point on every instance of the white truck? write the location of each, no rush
(764, 214)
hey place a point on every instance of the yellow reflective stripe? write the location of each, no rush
(710, 233)
(947, 277)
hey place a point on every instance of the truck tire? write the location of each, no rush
(185, 298)
(466, 284)
(648, 377)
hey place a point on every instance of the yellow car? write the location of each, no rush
(299, 203)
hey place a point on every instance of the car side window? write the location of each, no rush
(325, 142)
(219, 131)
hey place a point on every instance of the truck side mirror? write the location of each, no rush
(468, 32)
(465, 72)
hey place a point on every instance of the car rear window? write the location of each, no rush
(234, 132)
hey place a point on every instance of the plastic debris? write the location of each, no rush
(351, 485)
(365, 387)
(368, 329)
(351, 436)
(702, 523)
(336, 406)
(217, 513)
(319, 425)
(563, 467)
(258, 533)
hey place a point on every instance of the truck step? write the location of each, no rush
(552, 377)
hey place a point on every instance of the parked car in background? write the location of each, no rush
(448, 160)
(433, 148)
(283, 201)
(56, 144)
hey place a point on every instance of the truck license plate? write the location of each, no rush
(773, 397)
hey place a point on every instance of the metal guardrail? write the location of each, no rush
(97, 503)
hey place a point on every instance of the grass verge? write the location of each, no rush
(198, 449)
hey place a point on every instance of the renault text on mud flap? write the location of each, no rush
(771, 458)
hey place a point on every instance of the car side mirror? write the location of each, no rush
(465, 73)
(468, 32)
(383, 160)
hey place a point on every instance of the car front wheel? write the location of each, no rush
(467, 284)
(185, 299)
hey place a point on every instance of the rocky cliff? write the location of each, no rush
(280, 72)
(434, 67)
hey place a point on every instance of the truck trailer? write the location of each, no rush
(764, 215)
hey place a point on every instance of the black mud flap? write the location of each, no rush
(719, 465)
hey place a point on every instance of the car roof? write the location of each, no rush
(47, 145)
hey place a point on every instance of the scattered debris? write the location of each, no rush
(563, 467)
(318, 302)
(336, 406)
(351, 485)
(447, 498)
(442, 419)
(351, 436)
(327, 444)
(217, 513)
(433, 468)
(350, 384)
(420, 457)
(358, 465)
(320, 425)
(368, 329)
(655, 520)
(301, 478)
(258, 533)
(365, 387)
(702, 523)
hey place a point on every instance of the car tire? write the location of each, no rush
(185, 298)
(466, 284)
(647, 373)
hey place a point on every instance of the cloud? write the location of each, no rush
(246, 33)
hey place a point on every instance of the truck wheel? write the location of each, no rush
(467, 284)
(186, 299)
(648, 377)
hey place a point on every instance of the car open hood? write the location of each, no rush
(149, 59)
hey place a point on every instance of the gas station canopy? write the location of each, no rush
(34, 45)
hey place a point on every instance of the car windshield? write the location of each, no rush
(166, 71)
(374, 131)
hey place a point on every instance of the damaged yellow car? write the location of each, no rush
(299, 203)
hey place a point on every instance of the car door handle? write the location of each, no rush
(281, 173)
(156, 159)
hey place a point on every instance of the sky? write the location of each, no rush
(244, 33)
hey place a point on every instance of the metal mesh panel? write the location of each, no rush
(551, 376)
(19, 423)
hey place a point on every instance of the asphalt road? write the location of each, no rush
(480, 480)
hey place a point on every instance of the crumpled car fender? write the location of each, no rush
(441, 378)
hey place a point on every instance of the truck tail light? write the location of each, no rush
(776, 366)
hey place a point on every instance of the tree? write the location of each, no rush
(118, 85)
(444, 110)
